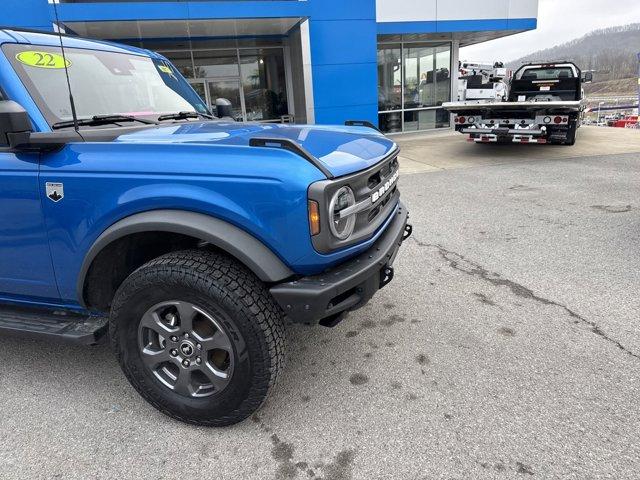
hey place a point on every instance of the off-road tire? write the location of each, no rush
(217, 284)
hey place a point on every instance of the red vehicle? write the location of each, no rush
(626, 122)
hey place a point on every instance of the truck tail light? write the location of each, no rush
(314, 218)
(461, 119)
(557, 120)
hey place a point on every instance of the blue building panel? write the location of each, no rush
(343, 52)
(200, 10)
(337, 41)
(342, 9)
(339, 85)
(453, 26)
(26, 14)
(522, 24)
(335, 116)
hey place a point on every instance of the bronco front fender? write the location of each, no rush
(229, 238)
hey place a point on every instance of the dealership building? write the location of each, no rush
(389, 62)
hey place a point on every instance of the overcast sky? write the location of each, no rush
(558, 22)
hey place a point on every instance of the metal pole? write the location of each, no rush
(599, 106)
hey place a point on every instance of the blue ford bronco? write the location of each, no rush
(130, 212)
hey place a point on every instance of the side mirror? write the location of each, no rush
(588, 77)
(15, 125)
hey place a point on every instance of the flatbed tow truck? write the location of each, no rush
(545, 104)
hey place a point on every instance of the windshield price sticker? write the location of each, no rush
(165, 69)
(42, 59)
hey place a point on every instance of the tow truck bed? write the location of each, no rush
(456, 107)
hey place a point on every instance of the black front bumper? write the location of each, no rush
(348, 286)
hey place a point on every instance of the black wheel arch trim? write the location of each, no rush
(247, 249)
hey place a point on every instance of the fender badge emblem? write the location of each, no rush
(55, 191)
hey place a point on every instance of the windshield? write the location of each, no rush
(102, 83)
(538, 73)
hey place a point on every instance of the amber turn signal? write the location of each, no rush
(314, 217)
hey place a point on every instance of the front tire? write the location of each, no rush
(199, 337)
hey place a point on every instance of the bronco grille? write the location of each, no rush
(376, 194)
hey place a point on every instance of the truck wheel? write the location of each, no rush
(572, 132)
(199, 337)
(571, 135)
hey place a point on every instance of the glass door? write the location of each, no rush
(414, 80)
(254, 80)
(264, 88)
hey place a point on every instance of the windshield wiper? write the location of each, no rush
(103, 120)
(183, 116)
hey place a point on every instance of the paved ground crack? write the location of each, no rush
(460, 263)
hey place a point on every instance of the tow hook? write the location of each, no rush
(408, 230)
(386, 275)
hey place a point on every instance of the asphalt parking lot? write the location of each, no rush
(508, 346)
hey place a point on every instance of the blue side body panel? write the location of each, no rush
(263, 194)
(25, 260)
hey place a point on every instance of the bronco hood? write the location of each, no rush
(342, 150)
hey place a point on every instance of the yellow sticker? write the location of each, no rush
(165, 69)
(42, 59)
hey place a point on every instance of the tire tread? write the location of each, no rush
(219, 277)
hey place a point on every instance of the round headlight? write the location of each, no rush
(342, 226)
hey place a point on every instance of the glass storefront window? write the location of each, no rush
(416, 79)
(230, 90)
(443, 74)
(390, 122)
(389, 78)
(254, 80)
(428, 76)
(415, 120)
(182, 61)
(263, 83)
(215, 63)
